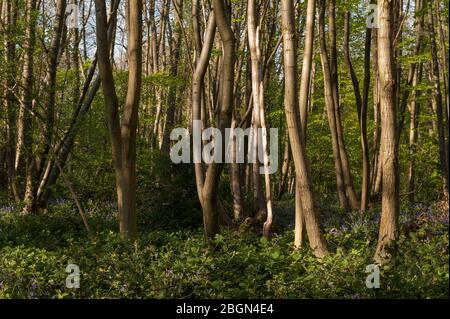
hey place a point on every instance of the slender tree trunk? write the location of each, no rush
(361, 103)
(25, 127)
(316, 240)
(303, 105)
(10, 18)
(123, 135)
(330, 106)
(388, 233)
(285, 167)
(437, 100)
(348, 179)
(207, 184)
(175, 56)
(414, 112)
(258, 107)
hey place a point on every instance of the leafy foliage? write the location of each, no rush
(34, 252)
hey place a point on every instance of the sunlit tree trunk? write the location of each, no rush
(346, 173)
(316, 240)
(361, 104)
(123, 132)
(388, 233)
(258, 107)
(330, 106)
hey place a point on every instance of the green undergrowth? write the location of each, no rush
(35, 251)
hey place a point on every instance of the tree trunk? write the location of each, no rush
(388, 233)
(316, 240)
(348, 179)
(330, 106)
(413, 132)
(123, 135)
(10, 18)
(175, 56)
(258, 107)
(361, 104)
(437, 101)
(25, 127)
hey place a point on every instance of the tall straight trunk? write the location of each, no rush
(388, 233)
(258, 106)
(316, 239)
(154, 37)
(414, 111)
(235, 183)
(284, 168)
(234, 167)
(10, 19)
(376, 163)
(175, 56)
(130, 115)
(437, 100)
(412, 68)
(330, 106)
(303, 112)
(444, 63)
(365, 183)
(307, 62)
(123, 134)
(25, 127)
(348, 179)
(361, 103)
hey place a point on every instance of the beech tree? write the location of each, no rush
(388, 233)
(122, 132)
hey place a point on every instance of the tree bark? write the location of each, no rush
(122, 134)
(361, 104)
(437, 101)
(316, 240)
(25, 127)
(348, 179)
(388, 233)
(330, 106)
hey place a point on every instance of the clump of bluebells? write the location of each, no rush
(162, 263)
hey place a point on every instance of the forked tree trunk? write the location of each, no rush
(330, 106)
(316, 240)
(361, 104)
(346, 173)
(258, 109)
(122, 134)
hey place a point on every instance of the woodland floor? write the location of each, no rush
(166, 262)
